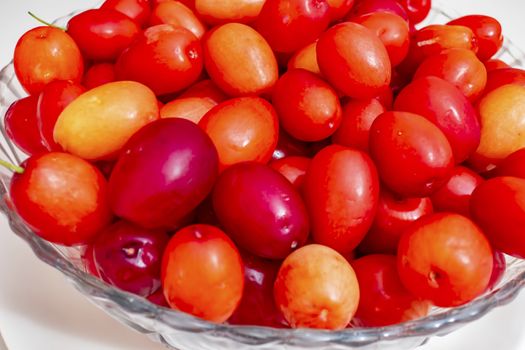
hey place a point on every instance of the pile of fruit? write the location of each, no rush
(287, 163)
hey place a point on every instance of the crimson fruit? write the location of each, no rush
(177, 160)
(270, 226)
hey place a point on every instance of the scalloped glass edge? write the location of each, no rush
(167, 326)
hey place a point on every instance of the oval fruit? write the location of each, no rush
(70, 207)
(98, 123)
(164, 172)
(412, 155)
(270, 225)
(250, 50)
(341, 190)
(316, 288)
(202, 273)
(354, 60)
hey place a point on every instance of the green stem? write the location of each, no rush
(12, 167)
(44, 22)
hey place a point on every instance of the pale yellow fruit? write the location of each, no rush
(99, 122)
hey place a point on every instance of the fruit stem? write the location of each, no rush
(12, 167)
(44, 22)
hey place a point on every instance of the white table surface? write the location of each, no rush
(40, 310)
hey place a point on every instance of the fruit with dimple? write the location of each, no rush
(62, 198)
(288, 25)
(129, 257)
(210, 289)
(165, 58)
(445, 258)
(44, 54)
(317, 288)
(394, 215)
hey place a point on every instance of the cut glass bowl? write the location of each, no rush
(184, 332)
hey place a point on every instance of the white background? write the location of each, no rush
(40, 310)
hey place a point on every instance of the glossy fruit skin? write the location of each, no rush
(446, 259)
(257, 306)
(44, 54)
(102, 34)
(21, 127)
(137, 10)
(270, 225)
(364, 7)
(210, 289)
(354, 60)
(488, 33)
(460, 67)
(501, 114)
(251, 51)
(394, 215)
(53, 99)
(358, 116)
(503, 76)
(167, 59)
(316, 288)
(99, 74)
(433, 39)
(242, 129)
(443, 104)
(498, 207)
(294, 168)
(305, 58)
(288, 25)
(341, 191)
(243, 11)
(419, 157)
(393, 31)
(97, 124)
(417, 10)
(513, 165)
(454, 196)
(384, 299)
(129, 257)
(307, 106)
(46, 203)
(177, 160)
(177, 14)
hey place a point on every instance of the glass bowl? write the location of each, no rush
(185, 332)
